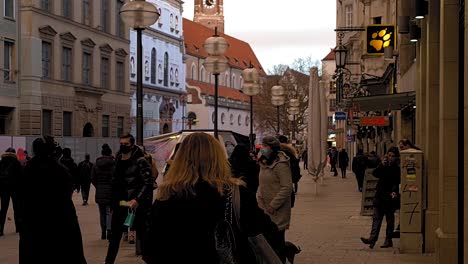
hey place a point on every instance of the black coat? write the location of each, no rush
(72, 167)
(359, 164)
(101, 177)
(343, 159)
(10, 170)
(84, 172)
(248, 172)
(389, 181)
(182, 229)
(50, 232)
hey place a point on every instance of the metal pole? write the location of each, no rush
(461, 133)
(252, 139)
(278, 118)
(216, 75)
(139, 90)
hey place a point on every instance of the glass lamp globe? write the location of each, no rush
(250, 89)
(277, 90)
(215, 46)
(251, 75)
(277, 100)
(294, 103)
(139, 14)
(216, 64)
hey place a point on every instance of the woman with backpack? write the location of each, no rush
(193, 200)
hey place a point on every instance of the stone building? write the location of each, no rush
(73, 70)
(233, 111)
(9, 69)
(163, 71)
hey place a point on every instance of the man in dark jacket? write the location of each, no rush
(84, 173)
(70, 164)
(101, 177)
(132, 186)
(359, 166)
(333, 160)
(10, 169)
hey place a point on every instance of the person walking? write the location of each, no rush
(244, 167)
(84, 177)
(359, 166)
(10, 170)
(385, 201)
(101, 177)
(343, 162)
(69, 163)
(132, 187)
(50, 232)
(274, 190)
(333, 160)
(304, 157)
(192, 200)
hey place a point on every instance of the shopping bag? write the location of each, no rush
(130, 218)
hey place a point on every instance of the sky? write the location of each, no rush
(280, 31)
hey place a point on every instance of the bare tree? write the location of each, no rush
(304, 64)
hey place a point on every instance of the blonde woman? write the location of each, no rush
(190, 201)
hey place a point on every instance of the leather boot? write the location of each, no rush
(387, 244)
(368, 241)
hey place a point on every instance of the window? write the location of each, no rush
(160, 18)
(67, 124)
(247, 121)
(120, 76)
(104, 15)
(223, 117)
(45, 4)
(233, 82)
(241, 82)
(9, 8)
(104, 73)
(46, 122)
(166, 69)
(87, 68)
(377, 20)
(177, 76)
(46, 59)
(194, 72)
(153, 66)
(119, 23)
(87, 13)
(66, 63)
(239, 120)
(120, 125)
(349, 15)
(202, 75)
(67, 8)
(226, 79)
(171, 21)
(332, 105)
(160, 73)
(177, 24)
(105, 126)
(7, 60)
(231, 119)
(171, 76)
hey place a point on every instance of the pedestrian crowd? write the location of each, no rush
(215, 204)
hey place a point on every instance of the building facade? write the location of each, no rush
(9, 73)
(74, 73)
(210, 14)
(233, 110)
(163, 72)
(328, 70)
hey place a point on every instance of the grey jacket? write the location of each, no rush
(275, 187)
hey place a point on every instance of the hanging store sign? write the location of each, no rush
(379, 36)
(375, 121)
(340, 116)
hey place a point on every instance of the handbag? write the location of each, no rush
(130, 218)
(225, 241)
(264, 253)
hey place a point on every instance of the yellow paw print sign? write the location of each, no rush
(379, 37)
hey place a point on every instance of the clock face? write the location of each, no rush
(209, 3)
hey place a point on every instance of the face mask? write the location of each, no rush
(265, 153)
(125, 149)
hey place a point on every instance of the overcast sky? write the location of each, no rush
(280, 31)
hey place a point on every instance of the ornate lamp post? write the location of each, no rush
(139, 14)
(277, 99)
(216, 63)
(293, 110)
(251, 87)
(340, 60)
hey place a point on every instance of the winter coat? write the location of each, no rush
(274, 190)
(50, 232)
(84, 172)
(389, 181)
(10, 170)
(343, 159)
(247, 171)
(70, 164)
(291, 152)
(373, 162)
(101, 177)
(182, 228)
(359, 164)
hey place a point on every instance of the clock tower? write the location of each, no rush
(209, 13)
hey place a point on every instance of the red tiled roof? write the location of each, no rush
(330, 56)
(226, 92)
(239, 53)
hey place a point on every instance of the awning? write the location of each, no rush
(384, 102)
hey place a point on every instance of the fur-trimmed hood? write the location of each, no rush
(10, 155)
(288, 148)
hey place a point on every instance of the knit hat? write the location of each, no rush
(271, 141)
(10, 150)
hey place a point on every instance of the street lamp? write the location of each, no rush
(216, 63)
(251, 87)
(139, 14)
(293, 110)
(277, 99)
(340, 60)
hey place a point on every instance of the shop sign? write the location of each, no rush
(340, 116)
(379, 36)
(375, 121)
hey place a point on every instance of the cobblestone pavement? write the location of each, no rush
(327, 227)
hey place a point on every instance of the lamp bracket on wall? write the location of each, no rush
(341, 31)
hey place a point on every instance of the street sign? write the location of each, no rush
(340, 116)
(379, 36)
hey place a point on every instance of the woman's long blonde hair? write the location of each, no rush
(200, 158)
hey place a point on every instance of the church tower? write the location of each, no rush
(209, 13)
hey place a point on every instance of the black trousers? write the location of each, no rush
(277, 241)
(343, 172)
(379, 212)
(85, 191)
(360, 178)
(5, 203)
(333, 168)
(119, 214)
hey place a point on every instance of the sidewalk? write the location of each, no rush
(326, 226)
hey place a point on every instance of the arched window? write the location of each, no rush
(231, 119)
(233, 82)
(153, 66)
(171, 76)
(176, 76)
(223, 117)
(239, 120)
(177, 24)
(241, 82)
(226, 79)
(247, 121)
(194, 72)
(202, 74)
(160, 73)
(166, 69)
